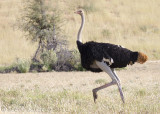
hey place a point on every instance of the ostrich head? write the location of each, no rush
(80, 12)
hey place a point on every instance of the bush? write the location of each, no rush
(49, 58)
(63, 60)
(8, 69)
(23, 66)
(20, 66)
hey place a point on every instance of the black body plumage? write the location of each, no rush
(92, 51)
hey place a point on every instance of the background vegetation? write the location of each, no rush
(133, 24)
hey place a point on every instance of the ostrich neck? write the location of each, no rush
(80, 29)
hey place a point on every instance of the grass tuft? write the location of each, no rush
(100, 81)
(141, 92)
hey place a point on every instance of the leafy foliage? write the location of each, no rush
(48, 60)
(39, 21)
(23, 66)
(41, 24)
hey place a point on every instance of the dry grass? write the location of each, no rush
(133, 24)
(13, 45)
(71, 92)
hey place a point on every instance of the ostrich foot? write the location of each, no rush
(95, 96)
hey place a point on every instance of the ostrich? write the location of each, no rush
(98, 57)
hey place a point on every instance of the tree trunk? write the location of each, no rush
(35, 55)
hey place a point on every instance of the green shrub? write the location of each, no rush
(23, 66)
(7, 69)
(79, 67)
(49, 58)
(76, 61)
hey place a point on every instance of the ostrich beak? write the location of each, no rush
(77, 12)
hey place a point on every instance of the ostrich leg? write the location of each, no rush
(108, 70)
(99, 88)
(115, 74)
(119, 85)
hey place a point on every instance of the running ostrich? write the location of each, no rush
(98, 57)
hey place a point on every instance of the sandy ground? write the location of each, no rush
(148, 74)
